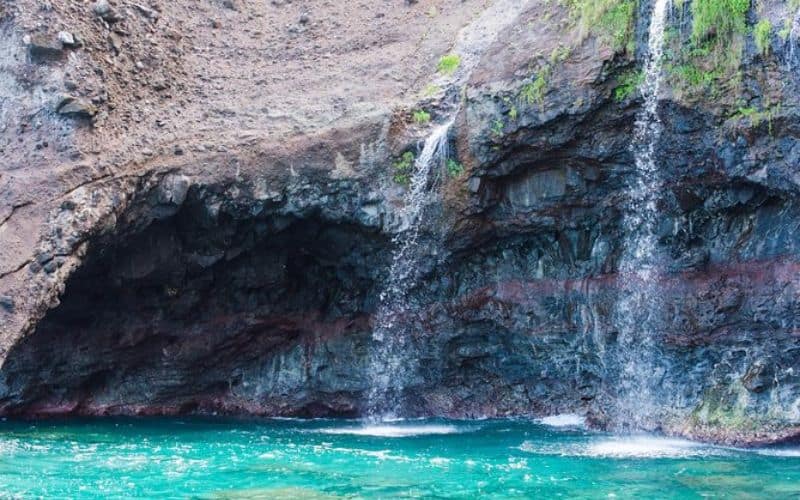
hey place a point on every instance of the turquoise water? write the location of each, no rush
(172, 458)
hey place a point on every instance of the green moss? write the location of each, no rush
(454, 168)
(629, 83)
(724, 411)
(762, 32)
(403, 168)
(421, 117)
(449, 64)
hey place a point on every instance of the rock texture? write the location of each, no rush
(208, 228)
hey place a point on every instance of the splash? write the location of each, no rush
(397, 431)
(627, 447)
(563, 420)
(640, 372)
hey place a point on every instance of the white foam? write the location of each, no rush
(644, 447)
(395, 431)
(564, 420)
(779, 452)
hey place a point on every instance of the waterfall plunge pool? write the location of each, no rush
(202, 458)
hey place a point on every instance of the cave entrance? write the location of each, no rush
(207, 313)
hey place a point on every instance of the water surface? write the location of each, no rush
(195, 458)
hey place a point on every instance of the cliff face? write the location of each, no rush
(208, 224)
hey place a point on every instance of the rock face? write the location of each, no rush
(213, 236)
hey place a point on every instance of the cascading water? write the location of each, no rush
(794, 32)
(639, 354)
(390, 362)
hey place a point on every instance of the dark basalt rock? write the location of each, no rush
(193, 291)
(76, 107)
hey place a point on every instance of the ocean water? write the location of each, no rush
(282, 459)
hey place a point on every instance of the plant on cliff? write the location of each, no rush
(449, 64)
(762, 32)
(533, 93)
(707, 62)
(497, 128)
(718, 20)
(403, 168)
(758, 116)
(431, 90)
(718, 28)
(454, 168)
(421, 117)
(611, 20)
(629, 83)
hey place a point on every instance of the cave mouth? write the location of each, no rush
(203, 314)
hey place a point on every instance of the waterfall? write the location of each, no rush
(390, 361)
(792, 40)
(640, 372)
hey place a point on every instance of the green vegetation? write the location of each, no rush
(513, 112)
(560, 54)
(762, 32)
(497, 128)
(611, 20)
(629, 83)
(696, 77)
(403, 168)
(758, 116)
(725, 410)
(431, 90)
(421, 117)
(786, 30)
(533, 93)
(454, 168)
(745, 112)
(718, 19)
(449, 64)
(708, 63)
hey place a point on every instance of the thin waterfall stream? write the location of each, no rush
(792, 40)
(640, 371)
(392, 362)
